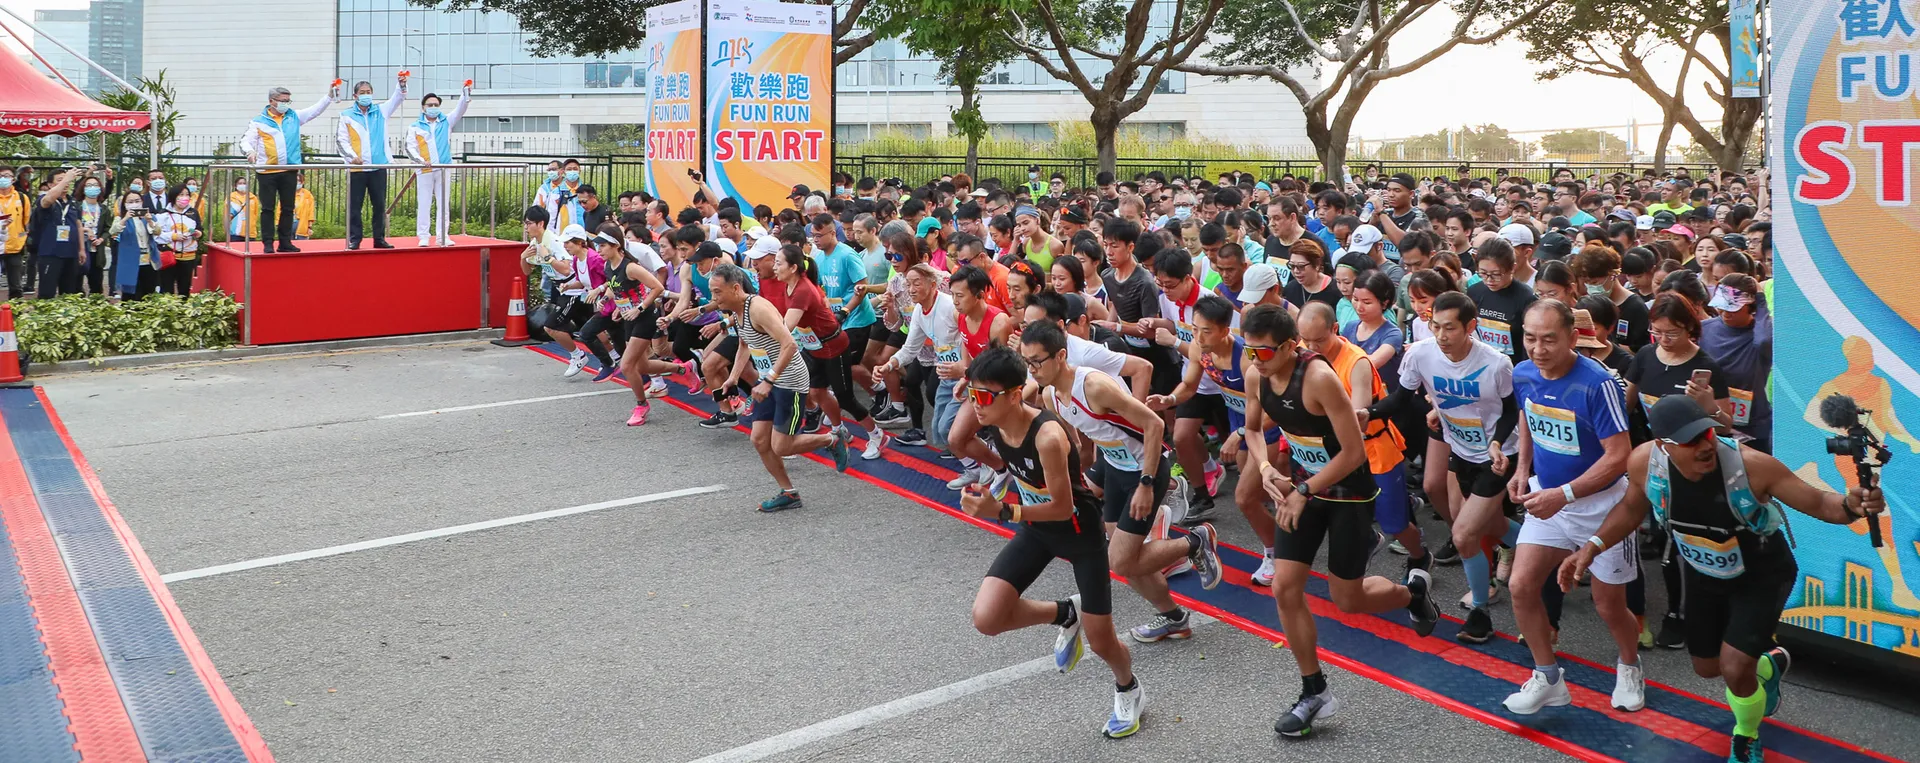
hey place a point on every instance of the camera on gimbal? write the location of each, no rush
(1859, 443)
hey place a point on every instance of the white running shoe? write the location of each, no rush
(876, 444)
(426, 241)
(1263, 577)
(445, 241)
(575, 363)
(1537, 693)
(1127, 707)
(1493, 596)
(1629, 688)
(970, 475)
(1067, 646)
(658, 388)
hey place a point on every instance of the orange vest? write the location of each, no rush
(1384, 443)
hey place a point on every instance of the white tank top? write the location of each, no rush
(1111, 433)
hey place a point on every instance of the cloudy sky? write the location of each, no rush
(1502, 90)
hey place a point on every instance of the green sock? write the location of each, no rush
(1765, 667)
(1748, 711)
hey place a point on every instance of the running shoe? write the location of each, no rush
(1478, 629)
(1263, 577)
(1493, 596)
(1127, 706)
(575, 362)
(658, 388)
(1199, 509)
(1206, 555)
(1425, 615)
(1447, 554)
(911, 437)
(1629, 688)
(811, 420)
(606, 373)
(1213, 476)
(695, 384)
(1379, 544)
(1745, 750)
(743, 405)
(1424, 562)
(892, 414)
(1646, 636)
(1162, 628)
(1298, 722)
(1177, 497)
(615, 354)
(1537, 693)
(1672, 633)
(1397, 547)
(970, 475)
(1781, 663)
(780, 502)
(876, 444)
(839, 450)
(720, 420)
(1067, 646)
(639, 415)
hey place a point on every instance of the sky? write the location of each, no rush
(1470, 85)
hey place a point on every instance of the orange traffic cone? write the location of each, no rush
(9, 348)
(516, 318)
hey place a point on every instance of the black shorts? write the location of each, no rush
(1346, 525)
(728, 347)
(1167, 368)
(1740, 616)
(1211, 408)
(1118, 486)
(896, 339)
(820, 371)
(782, 408)
(1479, 479)
(646, 325)
(1021, 561)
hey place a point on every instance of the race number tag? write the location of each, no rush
(806, 338)
(1495, 333)
(1118, 455)
(1742, 406)
(946, 353)
(1719, 559)
(1553, 429)
(1309, 452)
(1647, 401)
(1236, 402)
(1469, 433)
(1030, 495)
(761, 362)
(1184, 331)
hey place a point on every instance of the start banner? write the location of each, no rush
(769, 99)
(1842, 87)
(674, 97)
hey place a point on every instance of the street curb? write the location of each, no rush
(233, 353)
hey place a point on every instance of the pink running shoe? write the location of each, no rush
(1213, 477)
(639, 415)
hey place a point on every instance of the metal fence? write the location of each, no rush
(483, 200)
(1081, 173)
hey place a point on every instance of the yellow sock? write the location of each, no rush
(1748, 711)
(1765, 668)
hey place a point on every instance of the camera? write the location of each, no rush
(1859, 443)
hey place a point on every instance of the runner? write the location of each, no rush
(1056, 517)
(1173, 329)
(1501, 298)
(980, 326)
(1132, 478)
(843, 281)
(1325, 495)
(1068, 311)
(1471, 384)
(796, 296)
(1570, 471)
(933, 347)
(1719, 502)
(775, 415)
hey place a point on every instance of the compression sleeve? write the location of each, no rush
(1509, 418)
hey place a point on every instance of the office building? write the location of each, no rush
(69, 27)
(114, 37)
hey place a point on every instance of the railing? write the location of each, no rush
(487, 199)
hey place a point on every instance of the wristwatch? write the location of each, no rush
(1301, 488)
(1006, 513)
(1146, 479)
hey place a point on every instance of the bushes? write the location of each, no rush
(91, 326)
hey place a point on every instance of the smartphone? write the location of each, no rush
(1702, 376)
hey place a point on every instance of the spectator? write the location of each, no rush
(136, 263)
(60, 236)
(272, 139)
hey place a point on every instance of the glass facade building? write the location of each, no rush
(443, 49)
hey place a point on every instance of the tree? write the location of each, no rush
(134, 146)
(21, 146)
(605, 27)
(1487, 143)
(963, 35)
(1347, 43)
(1600, 143)
(1066, 37)
(1617, 38)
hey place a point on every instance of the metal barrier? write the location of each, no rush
(505, 190)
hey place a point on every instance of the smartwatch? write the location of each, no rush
(1146, 479)
(1301, 488)
(1006, 513)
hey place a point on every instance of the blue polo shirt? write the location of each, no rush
(1569, 416)
(47, 222)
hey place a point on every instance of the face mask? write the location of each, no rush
(363, 100)
(159, 184)
(553, 174)
(1033, 176)
(432, 111)
(300, 186)
(191, 187)
(92, 191)
(180, 205)
(6, 182)
(241, 187)
(134, 187)
(1596, 289)
(282, 107)
(573, 176)
(1183, 212)
(841, 190)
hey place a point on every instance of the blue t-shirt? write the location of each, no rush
(841, 274)
(1569, 416)
(1389, 335)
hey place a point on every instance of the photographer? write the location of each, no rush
(136, 260)
(1726, 526)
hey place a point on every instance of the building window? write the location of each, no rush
(1031, 132)
(1154, 131)
(508, 124)
(443, 49)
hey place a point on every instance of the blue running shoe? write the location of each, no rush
(1067, 647)
(606, 373)
(1206, 555)
(839, 450)
(1127, 707)
(1746, 750)
(780, 502)
(1781, 662)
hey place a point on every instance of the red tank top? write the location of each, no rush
(977, 340)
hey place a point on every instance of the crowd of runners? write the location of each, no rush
(1571, 375)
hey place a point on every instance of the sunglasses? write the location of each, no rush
(1702, 437)
(1260, 353)
(983, 397)
(894, 257)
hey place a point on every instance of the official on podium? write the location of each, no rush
(363, 143)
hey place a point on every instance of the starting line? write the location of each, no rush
(1675, 727)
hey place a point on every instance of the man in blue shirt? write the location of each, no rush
(1571, 470)
(57, 225)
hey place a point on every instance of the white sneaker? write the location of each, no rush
(876, 445)
(1629, 688)
(1127, 707)
(1537, 693)
(658, 388)
(575, 363)
(968, 476)
(426, 241)
(444, 241)
(1263, 577)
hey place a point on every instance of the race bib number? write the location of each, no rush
(1742, 401)
(806, 338)
(834, 303)
(1468, 433)
(1309, 452)
(1553, 429)
(946, 353)
(1495, 333)
(1118, 455)
(1184, 331)
(1030, 495)
(622, 303)
(1719, 559)
(1620, 329)
(761, 362)
(1647, 401)
(1236, 402)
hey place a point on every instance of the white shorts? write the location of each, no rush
(1581, 520)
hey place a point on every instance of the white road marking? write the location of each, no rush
(429, 534)
(503, 403)
(860, 719)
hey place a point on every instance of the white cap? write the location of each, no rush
(766, 245)
(727, 245)
(1643, 222)
(979, 193)
(1517, 234)
(1260, 278)
(1363, 239)
(754, 234)
(575, 232)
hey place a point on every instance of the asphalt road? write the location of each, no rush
(676, 629)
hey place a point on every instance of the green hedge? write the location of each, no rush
(93, 327)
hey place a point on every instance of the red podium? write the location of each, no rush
(327, 292)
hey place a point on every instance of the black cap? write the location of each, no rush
(1678, 418)
(1074, 215)
(799, 191)
(707, 251)
(1076, 306)
(1554, 246)
(1664, 219)
(1735, 240)
(1405, 180)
